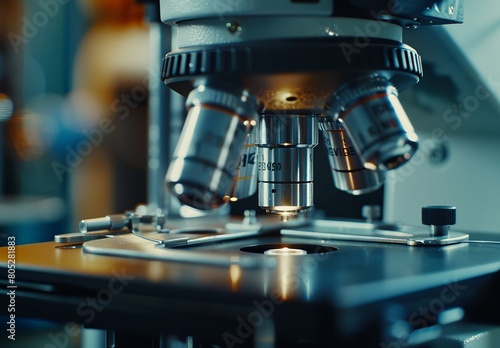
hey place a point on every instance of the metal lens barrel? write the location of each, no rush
(206, 158)
(245, 180)
(285, 163)
(348, 170)
(371, 113)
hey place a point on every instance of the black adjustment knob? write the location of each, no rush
(439, 217)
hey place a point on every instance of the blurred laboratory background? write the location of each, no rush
(75, 74)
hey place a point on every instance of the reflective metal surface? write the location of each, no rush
(372, 115)
(355, 272)
(285, 162)
(206, 158)
(374, 232)
(348, 170)
(285, 198)
(245, 180)
(84, 237)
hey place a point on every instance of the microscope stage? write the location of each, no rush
(349, 273)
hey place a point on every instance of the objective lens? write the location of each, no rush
(205, 160)
(348, 170)
(245, 181)
(371, 114)
(285, 163)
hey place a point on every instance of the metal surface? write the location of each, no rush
(374, 232)
(215, 31)
(108, 222)
(217, 232)
(84, 237)
(357, 273)
(286, 199)
(348, 170)
(342, 291)
(175, 10)
(149, 228)
(214, 237)
(171, 246)
(405, 12)
(285, 162)
(377, 125)
(131, 246)
(245, 180)
(205, 160)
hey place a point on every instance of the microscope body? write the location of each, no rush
(261, 78)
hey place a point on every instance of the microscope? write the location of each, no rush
(262, 79)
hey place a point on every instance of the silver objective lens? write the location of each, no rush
(285, 163)
(348, 170)
(206, 158)
(245, 180)
(370, 112)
